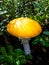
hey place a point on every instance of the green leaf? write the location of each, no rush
(18, 52)
(42, 41)
(22, 59)
(17, 62)
(10, 49)
(9, 59)
(2, 59)
(46, 33)
(3, 51)
(44, 50)
(29, 57)
(47, 45)
(35, 41)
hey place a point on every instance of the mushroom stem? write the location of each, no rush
(26, 46)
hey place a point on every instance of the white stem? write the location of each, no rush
(26, 46)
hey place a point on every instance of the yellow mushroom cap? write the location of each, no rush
(24, 27)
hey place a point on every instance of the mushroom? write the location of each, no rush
(24, 28)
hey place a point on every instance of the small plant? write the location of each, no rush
(42, 39)
(41, 10)
(12, 56)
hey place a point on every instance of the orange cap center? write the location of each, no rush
(24, 27)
